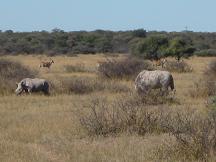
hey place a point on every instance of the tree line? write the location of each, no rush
(151, 45)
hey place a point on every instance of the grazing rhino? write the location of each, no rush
(147, 80)
(32, 85)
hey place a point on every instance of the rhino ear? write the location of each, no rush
(23, 83)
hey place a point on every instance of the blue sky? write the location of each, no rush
(71, 15)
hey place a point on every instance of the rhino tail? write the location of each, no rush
(172, 86)
(46, 88)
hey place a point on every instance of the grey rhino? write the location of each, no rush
(32, 85)
(147, 80)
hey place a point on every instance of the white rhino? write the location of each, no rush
(32, 85)
(147, 80)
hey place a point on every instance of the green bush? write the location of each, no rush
(152, 47)
(180, 47)
(206, 53)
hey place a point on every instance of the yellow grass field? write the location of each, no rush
(37, 128)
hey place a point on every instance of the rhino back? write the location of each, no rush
(37, 84)
(165, 77)
(153, 79)
(148, 78)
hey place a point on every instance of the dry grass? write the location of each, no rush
(206, 85)
(179, 67)
(85, 85)
(41, 128)
(79, 67)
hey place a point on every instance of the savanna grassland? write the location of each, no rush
(48, 128)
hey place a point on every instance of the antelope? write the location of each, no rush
(46, 64)
(160, 62)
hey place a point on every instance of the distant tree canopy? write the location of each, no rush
(180, 47)
(150, 45)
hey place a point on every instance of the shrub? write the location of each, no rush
(12, 72)
(180, 67)
(125, 68)
(105, 119)
(100, 121)
(194, 133)
(128, 113)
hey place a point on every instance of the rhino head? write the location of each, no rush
(20, 87)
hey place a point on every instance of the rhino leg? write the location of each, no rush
(46, 92)
(164, 91)
(25, 90)
(46, 88)
(29, 90)
(143, 91)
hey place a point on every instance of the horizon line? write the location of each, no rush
(110, 30)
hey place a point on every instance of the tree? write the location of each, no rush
(9, 31)
(180, 47)
(139, 33)
(152, 47)
(57, 30)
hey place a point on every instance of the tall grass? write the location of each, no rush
(179, 67)
(12, 72)
(78, 67)
(206, 86)
(85, 85)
